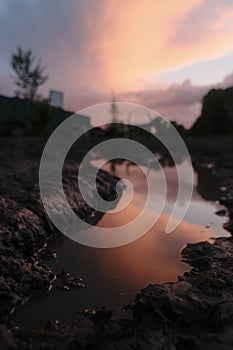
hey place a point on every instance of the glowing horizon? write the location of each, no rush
(164, 55)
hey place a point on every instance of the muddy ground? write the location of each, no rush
(196, 312)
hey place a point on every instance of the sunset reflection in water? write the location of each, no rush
(113, 276)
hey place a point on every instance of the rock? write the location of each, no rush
(217, 282)
(66, 281)
(228, 226)
(7, 340)
(221, 212)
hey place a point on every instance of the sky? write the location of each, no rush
(165, 55)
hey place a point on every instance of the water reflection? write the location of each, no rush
(113, 276)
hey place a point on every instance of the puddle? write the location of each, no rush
(113, 276)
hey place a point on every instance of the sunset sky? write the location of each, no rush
(162, 54)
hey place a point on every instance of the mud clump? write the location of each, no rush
(24, 227)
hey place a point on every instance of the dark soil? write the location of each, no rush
(196, 312)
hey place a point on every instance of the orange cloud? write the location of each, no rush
(134, 39)
(91, 48)
(137, 39)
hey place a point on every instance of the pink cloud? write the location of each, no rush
(91, 48)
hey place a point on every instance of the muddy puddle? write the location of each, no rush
(111, 277)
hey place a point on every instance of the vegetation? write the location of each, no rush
(217, 114)
(29, 74)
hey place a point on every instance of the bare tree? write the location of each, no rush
(29, 74)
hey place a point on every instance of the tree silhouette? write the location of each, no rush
(29, 74)
(114, 110)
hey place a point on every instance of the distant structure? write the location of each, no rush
(56, 98)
